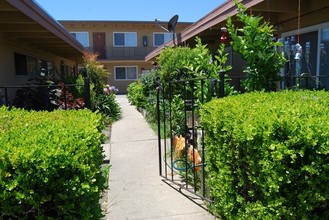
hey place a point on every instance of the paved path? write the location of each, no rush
(136, 189)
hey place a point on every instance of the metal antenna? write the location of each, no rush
(159, 25)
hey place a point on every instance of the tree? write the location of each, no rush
(254, 42)
(95, 72)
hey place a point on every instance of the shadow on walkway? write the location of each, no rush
(136, 189)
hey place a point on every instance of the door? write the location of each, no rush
(99, 44)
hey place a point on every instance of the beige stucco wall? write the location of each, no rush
(109, 27)
(122, 84)
(8, 75)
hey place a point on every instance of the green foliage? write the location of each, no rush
(106, 173)
(79, 81)
(178, 64)
(108, 107)
(136, 94)
(207, 65)
(172, 62)
(95, 72)
(254, 41)
(267, 155)
(50, 164)
(150, 82)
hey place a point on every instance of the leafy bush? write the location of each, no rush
(254, 41)
(63, 98)
(95, 71)
(268, 155)
(50, 164)
(108, 107)
(136, 94)
(172, 62)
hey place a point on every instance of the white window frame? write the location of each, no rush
(115, 73)
(125, 43)
(166, 37)
(81, 32)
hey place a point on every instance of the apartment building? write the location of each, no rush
(122, 45)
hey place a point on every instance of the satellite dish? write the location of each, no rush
(172, 23)
(171, 26)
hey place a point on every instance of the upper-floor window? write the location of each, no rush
(125, 39)
(161, 38)
(82, 37)
(125, 72)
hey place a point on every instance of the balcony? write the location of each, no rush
(121, 53)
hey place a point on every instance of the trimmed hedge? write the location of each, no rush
(267, 154)
(50, 164)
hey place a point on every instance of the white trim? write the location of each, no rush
(123, 32)
(164, 40)
(82, 32)
(115, 73)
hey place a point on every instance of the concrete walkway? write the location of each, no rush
(136, 189)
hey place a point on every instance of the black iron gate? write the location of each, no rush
(182, 150)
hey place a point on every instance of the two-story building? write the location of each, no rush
(121, 45)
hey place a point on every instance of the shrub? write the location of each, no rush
(50, 164)
(95, 71)
(268, 155)
(254, 42)
(172, 62)
(108, 107)
(136, 94)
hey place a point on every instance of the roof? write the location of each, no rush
(117, 22)
(27, 23)
(210, 20)
(282, 14)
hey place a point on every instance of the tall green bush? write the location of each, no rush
(95, 71)
(172, 61)
(267, 154)
(136, 94)
(108, 107)
(50, 164)
(254, 41)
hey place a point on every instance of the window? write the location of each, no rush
(82, 37)
(125, 39)
(161, 38)
(46, 67)
(125, 72)
(324, 59)
(25, 65)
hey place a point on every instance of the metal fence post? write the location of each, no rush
(6, 97)
(221, 83)
(159, 128)
(87, 92)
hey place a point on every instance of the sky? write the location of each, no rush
(129, 10)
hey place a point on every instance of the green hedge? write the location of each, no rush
(267, 154)
(50, 164)
(136, 94)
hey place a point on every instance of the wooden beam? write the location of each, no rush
(31, 35)
(22, 28)
(14, 17)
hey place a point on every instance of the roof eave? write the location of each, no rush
(219, 14)
(32, 10)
